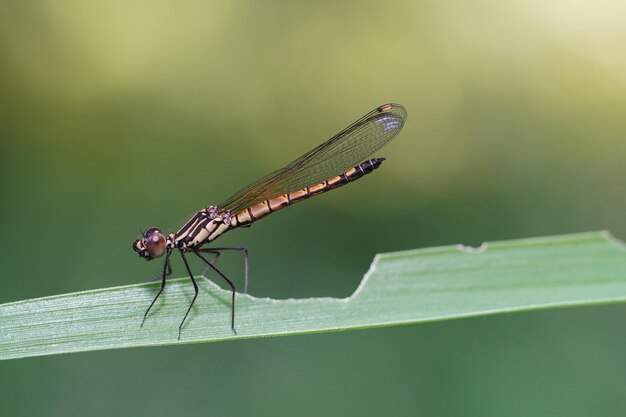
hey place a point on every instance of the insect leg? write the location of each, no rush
(216, 254)
(245, 260)
(230, 283)
(167, 269)
(158, 277)
(195, 287)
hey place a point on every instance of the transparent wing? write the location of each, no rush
(346, 149)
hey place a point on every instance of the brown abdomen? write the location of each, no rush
(266, 207)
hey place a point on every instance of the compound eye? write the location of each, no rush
(155, 244)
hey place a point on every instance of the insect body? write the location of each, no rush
(333, 164)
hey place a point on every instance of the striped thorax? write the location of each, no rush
(204, 227)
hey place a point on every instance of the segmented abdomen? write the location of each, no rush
(266, 207)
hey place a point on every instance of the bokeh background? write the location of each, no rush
(119, 115)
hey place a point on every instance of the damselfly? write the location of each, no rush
(334, 163)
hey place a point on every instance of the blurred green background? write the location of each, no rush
(119, 115)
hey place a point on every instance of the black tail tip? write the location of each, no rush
(376, 162)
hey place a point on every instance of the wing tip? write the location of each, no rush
(394, 108)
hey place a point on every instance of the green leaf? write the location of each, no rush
(403, 287)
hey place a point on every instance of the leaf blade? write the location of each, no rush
(402, 287)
